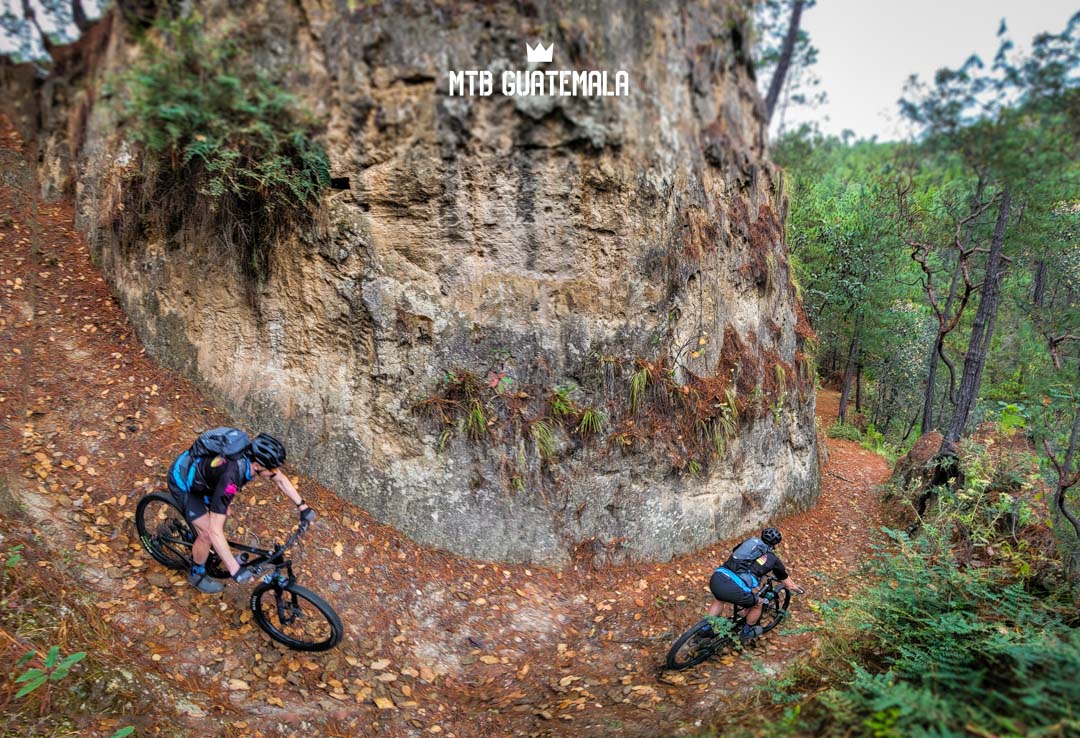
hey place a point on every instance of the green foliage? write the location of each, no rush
(592, 422)
(639, 380)
(844, 431)
(1011, 418)
(234, 137)
(54, 669)
(476, 420)
(932, 649)
(562, 406)
(987, 506)
(544, 438)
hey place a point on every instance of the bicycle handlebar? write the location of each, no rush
(280, 549)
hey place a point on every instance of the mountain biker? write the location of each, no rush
(736, 579)
(214, 482)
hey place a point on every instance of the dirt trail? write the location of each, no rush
(89, 424)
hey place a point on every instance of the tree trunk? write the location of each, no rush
(1067, 478)
(858, 388)
(786, 52)
(849, 371)
(983, 325)
(936, 352)
(911, 426)
(1038, 291)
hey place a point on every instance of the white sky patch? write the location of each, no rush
(55, 20)
(19, 40)
(868, 48)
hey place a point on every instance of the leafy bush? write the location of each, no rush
(1011, 418)
(844, 431)
(932, 649)
(230, 143)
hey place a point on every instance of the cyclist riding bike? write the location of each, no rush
(205, 484)
(735, 581)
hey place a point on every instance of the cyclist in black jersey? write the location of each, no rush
(736, 579)
(214, 482)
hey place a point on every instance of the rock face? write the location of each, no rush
(536, 241)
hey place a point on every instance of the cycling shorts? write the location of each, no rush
(726, 590)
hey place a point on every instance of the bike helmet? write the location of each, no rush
(771, 536)
(267, 450)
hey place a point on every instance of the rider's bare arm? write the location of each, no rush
(286, 486)
(790, 584)
(221, 543)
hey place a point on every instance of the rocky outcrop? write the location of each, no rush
(539, 241)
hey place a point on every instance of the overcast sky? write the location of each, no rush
(868, 48)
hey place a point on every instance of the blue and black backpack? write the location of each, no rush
(228, 442)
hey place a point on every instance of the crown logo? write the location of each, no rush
(539, 54)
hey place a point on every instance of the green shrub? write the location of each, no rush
(229, 144)
(844, 431)
(932, 649)
(1011, 418)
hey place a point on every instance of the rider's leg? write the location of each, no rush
(716, 608)
(753, 614)
(200, 550)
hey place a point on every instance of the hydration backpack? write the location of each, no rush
(224, 441)
(746, 553)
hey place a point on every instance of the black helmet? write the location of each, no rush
(267, 450)
(771, 536)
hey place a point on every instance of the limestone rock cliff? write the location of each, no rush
(525, 244)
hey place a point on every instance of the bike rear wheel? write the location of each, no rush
(774, 611)
(168, 535)
(296, 616)
(164, 531)
(693, 647)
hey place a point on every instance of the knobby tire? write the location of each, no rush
(164, 531)
(316, 626)
(167, 534)
(695, 653)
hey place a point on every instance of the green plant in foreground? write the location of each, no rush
(928, 648)
(55, 669)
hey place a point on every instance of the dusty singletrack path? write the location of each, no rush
(435, 644)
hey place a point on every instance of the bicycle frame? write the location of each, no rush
(274, 558)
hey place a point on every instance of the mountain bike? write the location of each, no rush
(701, 643)
(290, 614)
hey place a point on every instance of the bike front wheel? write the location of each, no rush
(296, 616)
(694, 646)
(774, 611)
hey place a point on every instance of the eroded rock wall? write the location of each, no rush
(548, 240)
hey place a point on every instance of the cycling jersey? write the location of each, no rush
(212, 481)
(751, 571)
(736, 579)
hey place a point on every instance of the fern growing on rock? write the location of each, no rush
(227, 152)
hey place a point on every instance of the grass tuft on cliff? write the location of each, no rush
(225, 149)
